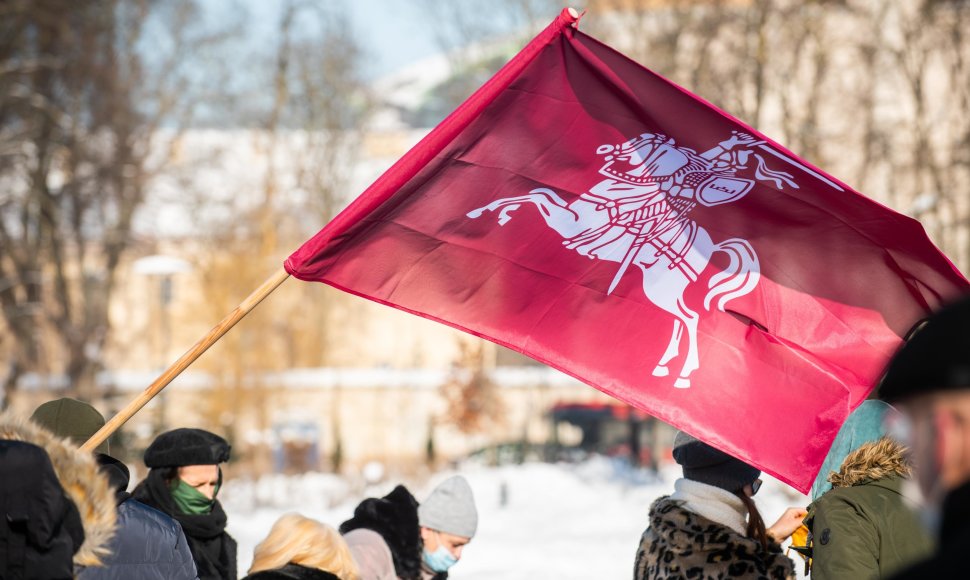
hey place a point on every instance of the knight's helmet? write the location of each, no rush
(649, 158)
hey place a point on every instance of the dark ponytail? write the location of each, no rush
(756, 526)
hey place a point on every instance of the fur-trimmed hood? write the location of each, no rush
(870, 462)
(78, 473)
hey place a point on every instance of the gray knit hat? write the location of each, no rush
(73, 419)
(705, 464)
(450, 508)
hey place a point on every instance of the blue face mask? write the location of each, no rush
(439, 560)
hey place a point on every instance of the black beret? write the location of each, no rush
(180, 447)
(935, 358)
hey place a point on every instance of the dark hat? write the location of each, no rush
(72, 419)
(935, 358)
(180, 447)
(703, 463)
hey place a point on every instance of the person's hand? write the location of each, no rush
(786, 524)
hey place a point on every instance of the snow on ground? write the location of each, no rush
(564, 521)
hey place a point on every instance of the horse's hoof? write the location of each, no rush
(476, 213)
(661, 371)
(682, 383)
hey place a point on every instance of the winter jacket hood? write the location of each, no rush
(80, 477)
(682, 544)
(863, 527)
(371, 553)
(871, 462)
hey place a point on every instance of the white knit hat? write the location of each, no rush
(450, 508)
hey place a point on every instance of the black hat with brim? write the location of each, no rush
(935, 358)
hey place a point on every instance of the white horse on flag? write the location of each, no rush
(639, 216)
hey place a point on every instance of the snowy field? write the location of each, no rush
(563, 521)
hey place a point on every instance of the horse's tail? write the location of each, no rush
(739, 278)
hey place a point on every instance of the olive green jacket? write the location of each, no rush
(863, 528)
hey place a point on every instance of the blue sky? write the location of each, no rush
(394, 32)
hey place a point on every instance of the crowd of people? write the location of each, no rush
(68, 513)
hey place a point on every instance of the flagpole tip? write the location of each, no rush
(571, 16)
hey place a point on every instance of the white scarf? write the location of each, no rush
(713, 503)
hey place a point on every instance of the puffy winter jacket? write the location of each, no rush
(863, 528)
(149, 545)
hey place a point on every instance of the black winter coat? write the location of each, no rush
(74, 505)
(213, 550)
(292, 572)
(148, 545)
(40, 528)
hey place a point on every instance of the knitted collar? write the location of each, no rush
(716, 504)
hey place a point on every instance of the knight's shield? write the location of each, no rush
(719, 189)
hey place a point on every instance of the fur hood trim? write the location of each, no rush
(78, 473)
(872, 461)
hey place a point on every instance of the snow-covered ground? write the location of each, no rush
(564, 521)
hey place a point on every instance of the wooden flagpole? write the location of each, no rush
(264, 290)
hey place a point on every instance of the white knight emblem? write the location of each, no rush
(639, 216)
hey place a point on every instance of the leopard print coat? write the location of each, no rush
(680, 544)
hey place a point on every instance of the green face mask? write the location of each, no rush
(190, 500)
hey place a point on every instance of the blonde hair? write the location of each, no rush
(295, 539)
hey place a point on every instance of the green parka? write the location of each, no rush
(863, 528)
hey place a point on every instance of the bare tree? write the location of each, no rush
(80, 110)
(473, 402)
(302, 114)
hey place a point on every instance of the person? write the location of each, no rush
(42, 529)
(448, 520)
(300, 548)
(928, 380)
(183, 480)
(861, 525)
(425, 540)
(57, 508)
(710, 527)
(148, 544)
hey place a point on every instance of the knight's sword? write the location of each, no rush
(635, 245)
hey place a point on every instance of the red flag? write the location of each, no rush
(584, 211)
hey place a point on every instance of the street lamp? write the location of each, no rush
(162, 268)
